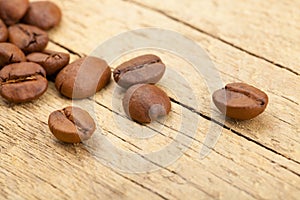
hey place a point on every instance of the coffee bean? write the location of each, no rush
(240, 101)
(11, 11)
(10, 53)
(28, 38)
(43, 14)
(143, 69)
(22, 82)
(71, 124)
(51, 61)
(83, 78)
(3, 32)
(145, 103)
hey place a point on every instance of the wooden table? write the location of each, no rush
(253, 41)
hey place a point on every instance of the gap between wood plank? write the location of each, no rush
(68, 49)
(201, 115)
(141, 185)
(213, 36)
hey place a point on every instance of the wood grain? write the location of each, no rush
(250, 159)
(234, 65)
(268, 30)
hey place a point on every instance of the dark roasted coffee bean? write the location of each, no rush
(51, 61)
(22, 82)
(3, 32)
(10, 53)
(71, 124)
(11, 11)
(28, 38)
(240, 101)
(145, 103)
(143, 69)
(43, 14)
(83, 78)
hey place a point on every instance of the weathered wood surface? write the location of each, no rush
(256, 159)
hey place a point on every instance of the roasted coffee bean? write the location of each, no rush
(83, 78)
(143, 69)
(22, 82)
(71, 124)
(28, 38)
(11, 11)
(10, 53)
(3, 32)
(43, 14)
(145, 103)
(51, 61)
(240, 101)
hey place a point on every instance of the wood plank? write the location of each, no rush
(35, 156)
(234, 65)
(266, 29)
(244, 165)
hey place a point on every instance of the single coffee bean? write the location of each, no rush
(143, 69)
(43, 14)
(10, 53)
(11, 11)
(240, 101)
(145, 103)
(71, 124)
(3, 32)
(83, 78)
(28, 38)
(51, 61)
(22, 82)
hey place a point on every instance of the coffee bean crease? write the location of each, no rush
(247, 93)
(78, 126)
(119, 72)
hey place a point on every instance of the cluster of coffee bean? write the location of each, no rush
(25, 66)
(24, 62)
(143, 101)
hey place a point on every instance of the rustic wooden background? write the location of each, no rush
(254, 41)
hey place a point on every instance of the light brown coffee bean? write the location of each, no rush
(145, 103)
(10, 53)
(3, 32)
(11, 11)
(51, 61)
(28, 38)
(143, 69)
(71, 125)
(22, 82)
(240, 101)
(83, 78)
(43, 14)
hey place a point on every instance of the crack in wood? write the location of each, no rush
(213, 36)
(290, 100)
(123, 139)
(284, 167)
(66, 48)
(141, 185)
